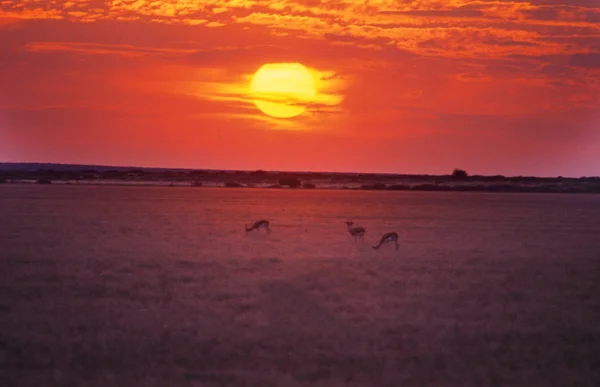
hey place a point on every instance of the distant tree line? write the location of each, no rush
(458, 180)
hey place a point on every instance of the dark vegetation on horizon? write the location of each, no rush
(458, 180)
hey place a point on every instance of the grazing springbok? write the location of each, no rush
(355, 232)
(388, 237)
(258, 225)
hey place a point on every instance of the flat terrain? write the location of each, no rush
(458, 181)
(135, 286)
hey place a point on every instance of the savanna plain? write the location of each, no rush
(159, 286)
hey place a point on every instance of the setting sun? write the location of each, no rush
(370, 86)
(281, 89)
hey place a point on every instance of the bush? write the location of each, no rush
(309, 185)
(291, 182)
(376, 186)
(232, 184)
(43, 181)
(197, 173)
(459, 174)
(428, 187)
(399, 187)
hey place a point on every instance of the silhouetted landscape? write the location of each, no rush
(457, 180)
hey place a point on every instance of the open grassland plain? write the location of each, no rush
(151, 286)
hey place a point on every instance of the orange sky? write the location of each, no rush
(494, 87)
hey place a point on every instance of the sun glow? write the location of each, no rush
(282, 90)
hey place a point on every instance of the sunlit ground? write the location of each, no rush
(105, 286)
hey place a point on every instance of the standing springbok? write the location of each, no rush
(258, 225)
(356, 232)
(388, 237)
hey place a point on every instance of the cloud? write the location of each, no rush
(214, 24)
(432, 27)
(439, 13)
(591, 60)
(232, 54)
(105, 49)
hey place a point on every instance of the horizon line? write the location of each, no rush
(281, 171)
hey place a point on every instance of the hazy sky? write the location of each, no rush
(421, 86)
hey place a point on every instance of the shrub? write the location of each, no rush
(428, 187)
(291, 182)
(399, 187)
(309, 185)
(376, 186)
(232, 184)
(197, 173)
(459, 174)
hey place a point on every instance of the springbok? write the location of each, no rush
(258, 225)
(355, 231)
(388, 237)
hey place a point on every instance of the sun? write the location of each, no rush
(282, 90)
